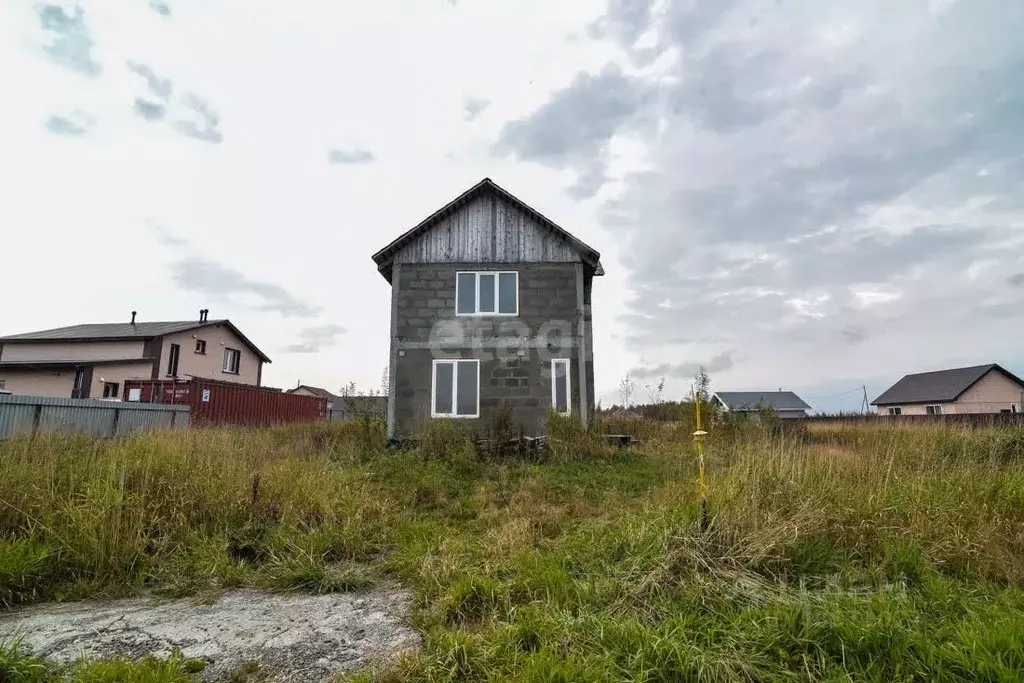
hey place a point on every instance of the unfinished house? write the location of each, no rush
(490, 317)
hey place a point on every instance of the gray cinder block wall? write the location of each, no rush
(515, 352)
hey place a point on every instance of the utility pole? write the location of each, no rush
(865, 407)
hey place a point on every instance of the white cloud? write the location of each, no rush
(264, 208)
(812, 192)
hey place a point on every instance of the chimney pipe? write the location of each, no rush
(206, 314)
(133, 317)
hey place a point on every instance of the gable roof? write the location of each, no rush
(750, 400)
(140, 331)
(316, 391)
(384, 257)
(939, 386)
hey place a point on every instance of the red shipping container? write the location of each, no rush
(215, 403)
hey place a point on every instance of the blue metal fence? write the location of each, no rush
(31, 414)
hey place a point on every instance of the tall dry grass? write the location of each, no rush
(854, 552)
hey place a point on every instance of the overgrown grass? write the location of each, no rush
(19, 666)
(864, 553)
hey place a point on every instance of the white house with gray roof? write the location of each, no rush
(94, 360)
(976, 389)
(783, 404)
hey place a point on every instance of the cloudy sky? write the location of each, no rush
(798, 194)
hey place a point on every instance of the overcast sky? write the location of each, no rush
(798, 194)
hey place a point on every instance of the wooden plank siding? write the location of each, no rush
(488, 229)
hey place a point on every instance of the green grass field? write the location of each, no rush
(854, 553)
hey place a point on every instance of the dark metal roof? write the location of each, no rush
(750, 400)
(383, 257)
(112, 331)
(32, 364)
(940, 386)
(140, 331)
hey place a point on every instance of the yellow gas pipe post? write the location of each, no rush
(698, 440)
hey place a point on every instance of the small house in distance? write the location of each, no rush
(783, 404)
(306, 390)
(342, 407)
(976, 389)
(490, 312)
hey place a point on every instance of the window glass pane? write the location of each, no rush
(468, 388)
(561, 380)
(486, 292)
(508, 297)
(443, 373)
(466, 294)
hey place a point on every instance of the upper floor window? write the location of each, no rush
(231, 360)
(172, 360)
(201, 346)
(487, 293)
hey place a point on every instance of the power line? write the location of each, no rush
(858, 389)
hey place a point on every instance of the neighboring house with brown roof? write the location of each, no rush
(977, 389)
(306, 390)
(490, 311)
(94, 360)
(343, 407)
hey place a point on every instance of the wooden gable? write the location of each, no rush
(486, 225)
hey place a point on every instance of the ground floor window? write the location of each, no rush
(896, 410)
(560, 385)
(111, 389)
(455, 388)
(933, 410)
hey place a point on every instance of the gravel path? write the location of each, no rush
(298, 637)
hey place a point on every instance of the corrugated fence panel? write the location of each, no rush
(89, 419)
(155, 418)
(25, 414)
(16, 418)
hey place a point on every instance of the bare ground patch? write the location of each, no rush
(294, 637)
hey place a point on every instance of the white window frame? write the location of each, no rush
(497, 276)
(896, 410)
(200, 347)
(455, 388)
(1014, 407)
(238, 361)
(568, 385)
(3, 385)
(936, 409)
